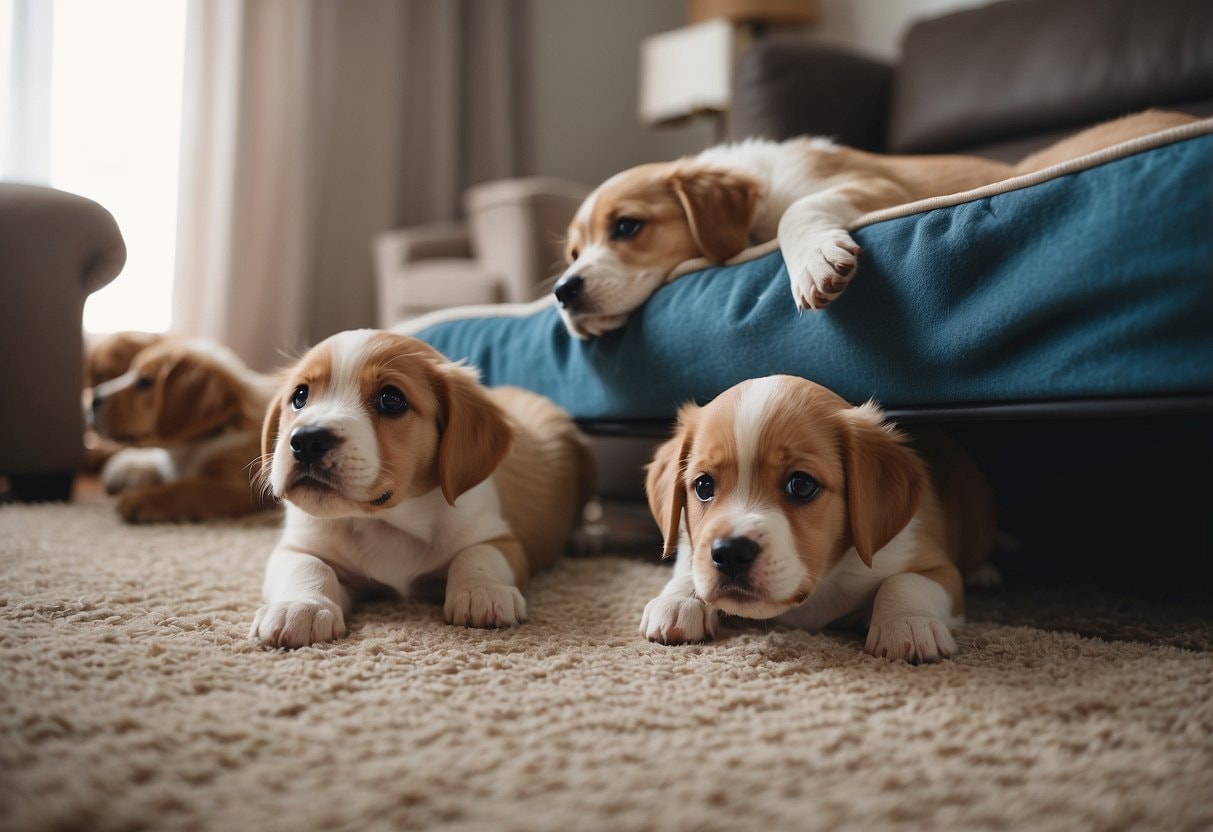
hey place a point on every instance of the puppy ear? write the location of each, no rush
(720, 206)
(885, 479)
(269, 427)
(665, 480)
(474, 434)
(195, 398)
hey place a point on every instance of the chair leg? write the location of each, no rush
(42, 488)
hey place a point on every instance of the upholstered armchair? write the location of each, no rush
(505, 252)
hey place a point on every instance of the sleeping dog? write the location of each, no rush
(191, 410)
(400, 471)
(784, 502)
(631, 233)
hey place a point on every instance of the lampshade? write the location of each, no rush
(686, 71)
(751, 11)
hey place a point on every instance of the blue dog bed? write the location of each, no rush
(1093, 284)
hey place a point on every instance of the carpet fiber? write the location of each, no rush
(130, 698)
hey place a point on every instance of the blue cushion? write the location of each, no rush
(1098, 283)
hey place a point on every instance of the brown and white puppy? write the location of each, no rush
(632, 232)
(191, 410)
(400, 470)
(107, 357)
(634, 229)
(784, 502)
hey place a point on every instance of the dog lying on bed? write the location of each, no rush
(400, 471)
(191, 412)
(784, 502)
(633, 231)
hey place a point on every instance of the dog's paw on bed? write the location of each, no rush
(820, 267)
(298, 624)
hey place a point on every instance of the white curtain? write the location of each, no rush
(308, 126)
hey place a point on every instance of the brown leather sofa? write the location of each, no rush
(1000, 80)
(55, 249)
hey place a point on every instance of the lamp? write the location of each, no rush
(689, 71)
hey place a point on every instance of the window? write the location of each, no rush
(90, 102)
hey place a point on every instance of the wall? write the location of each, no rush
(581, 78)
(582, 84)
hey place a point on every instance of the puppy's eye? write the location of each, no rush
(625, 228)
(705, 488)
(802, 487)
(299, 399)
(573, 255)
(390, 401)
(144, 383)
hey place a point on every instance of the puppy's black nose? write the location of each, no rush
(733, 555)
(309, 445)
(568, 289)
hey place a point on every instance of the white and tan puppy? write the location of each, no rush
(634, 229)
(191, 413)
(784, 502)
(400, 471)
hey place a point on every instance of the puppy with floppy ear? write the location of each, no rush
(190, 410)
(399, 470)
(107, 357)
(636, 229)
(784, 502)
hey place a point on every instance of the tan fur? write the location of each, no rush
(719, 208)
(111, 355)
(885, 480)
(182, 399)
(872, 483)
(456, 434)
(548, 476)
(635, 229)
(874, 181)
(1101, 136)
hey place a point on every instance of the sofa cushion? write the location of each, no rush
(1025, 67)
(1097, 283)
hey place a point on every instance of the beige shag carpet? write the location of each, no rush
(131, 699)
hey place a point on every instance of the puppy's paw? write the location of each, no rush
(134, 468)
(911, 639)
(298, 623)
(150, 505)
(485, 606)
(821, 267)
(673, 620)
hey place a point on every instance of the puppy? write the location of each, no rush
(400, 470)
(784, 502)
(630, 233)
(192, 412)
(107, 357)
(1102, 136)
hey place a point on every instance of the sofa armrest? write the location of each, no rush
(398, 250)
(55, 249)
(398, 246)
(518, 228)
(786, 87)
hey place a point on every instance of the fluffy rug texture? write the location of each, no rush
(132, 699)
